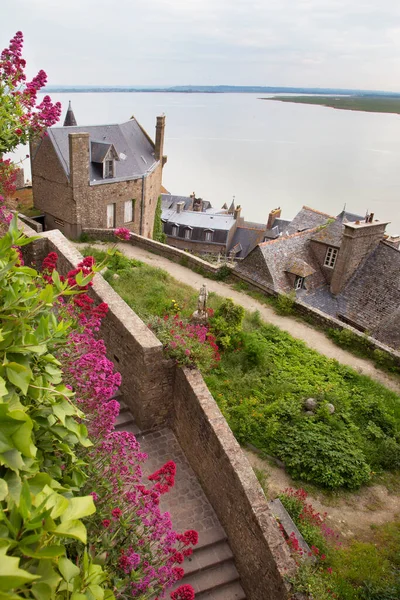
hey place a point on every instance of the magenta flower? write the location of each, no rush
(122, 233)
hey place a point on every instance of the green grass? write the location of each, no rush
(364, 104)
(262, 382)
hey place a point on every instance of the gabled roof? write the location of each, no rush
(245, 239)
(299, 267)
(134, 148)
(331, 234)
(307, 218)
(99, 150)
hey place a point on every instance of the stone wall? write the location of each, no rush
(147, 378)
(179, 256)
(157, 395)
(261, 555)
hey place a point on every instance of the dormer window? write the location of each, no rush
(208, 235)
(330, 257)
(108, 169)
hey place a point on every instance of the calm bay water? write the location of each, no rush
(266, 154)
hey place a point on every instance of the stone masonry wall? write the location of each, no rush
(147, 378)
(261, 554)
(174, 254)
(157, 397)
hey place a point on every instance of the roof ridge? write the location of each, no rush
(292, 235)
(318, 212)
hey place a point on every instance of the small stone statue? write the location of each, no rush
(201, 315)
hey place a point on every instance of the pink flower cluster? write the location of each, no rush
(141, 549)
(122, 233)
(23, 118)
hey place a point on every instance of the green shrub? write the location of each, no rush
(158, 233)
(311, 453)
(284, 303)
(227, 323)
(223, 272)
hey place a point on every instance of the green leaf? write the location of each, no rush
(12, 459)
(97, 592)
(3, 388)
(11, 576)
(67, 569)
(72, 529)
(41, 591)
(10, 596)
(77, 596)
(19, 375)
(48, 574)
(46, 552)
(79, 508)
(14, 486)
(3, 489)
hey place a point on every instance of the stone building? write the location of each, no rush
(344, 266)
(100, 176)
(192, 224)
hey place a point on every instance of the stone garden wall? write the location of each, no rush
(158, 394)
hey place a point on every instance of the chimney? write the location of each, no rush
(274, 214)
(179, 207)
(79, 156)
(359, 239)
(236, 214)
(159, 145)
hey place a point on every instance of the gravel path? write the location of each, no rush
(298, 329)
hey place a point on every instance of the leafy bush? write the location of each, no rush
(284, 303)
(226, 323)
(223, 272)
(188, 344)
(158, 233)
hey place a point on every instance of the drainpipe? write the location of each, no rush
(141, 207)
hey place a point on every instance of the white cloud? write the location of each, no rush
(349, 43)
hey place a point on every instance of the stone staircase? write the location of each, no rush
(210, 570)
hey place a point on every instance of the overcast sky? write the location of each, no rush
(327, 43)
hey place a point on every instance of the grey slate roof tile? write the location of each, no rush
(135, 150)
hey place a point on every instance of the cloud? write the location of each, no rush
(350, 43)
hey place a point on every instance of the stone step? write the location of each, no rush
(131, 427)
(231, 591)
(210, 537)
(208, 556)
(123, 419)
(209, 579)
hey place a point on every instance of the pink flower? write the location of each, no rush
(122, 233)
(106, 523)
(116, 512)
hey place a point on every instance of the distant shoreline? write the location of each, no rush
(220, 89)
(373, 104)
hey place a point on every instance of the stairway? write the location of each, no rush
(210, 570)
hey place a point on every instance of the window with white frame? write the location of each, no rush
(188, 234)
(298, 283)
(109, 169)
(175, 230)
(208, 236)
(330, 257)
(111, 215)
(129, 211)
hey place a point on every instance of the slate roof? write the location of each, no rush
(307, 218)
(331, 234)
(299, 267)
(201, 220)
(70, 120)
(245, 239)
(170, 201)
(348, 216)
(99, 150)
(133, 146)
(373, 293)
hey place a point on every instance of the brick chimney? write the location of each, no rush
(159, 145)
(236, 213)
(79, 156)
(359, 239)
(179, 207)
(274, 214)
